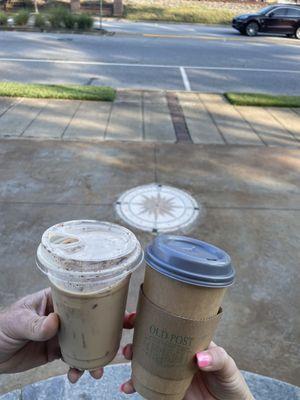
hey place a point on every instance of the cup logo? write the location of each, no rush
(167, 349)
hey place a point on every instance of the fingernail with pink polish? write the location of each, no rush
(203, 359)
(131, 315)
(122, 387)
(123, 350)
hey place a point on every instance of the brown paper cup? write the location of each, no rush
(164, 350)
(178, 312)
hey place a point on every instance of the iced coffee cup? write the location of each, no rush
(178, 311)
(89, 264)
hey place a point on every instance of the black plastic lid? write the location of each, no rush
(190, 261)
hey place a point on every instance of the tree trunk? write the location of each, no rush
(118, 8)
(75, 6)
(36, 10)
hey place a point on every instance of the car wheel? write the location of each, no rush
(297, 33)
(252, 29)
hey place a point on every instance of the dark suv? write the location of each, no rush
(281, 18)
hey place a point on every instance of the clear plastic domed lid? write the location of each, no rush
(82, 251)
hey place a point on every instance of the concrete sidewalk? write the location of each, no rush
(249, 196)
(108, 387)
(151, 116)
(250, 201)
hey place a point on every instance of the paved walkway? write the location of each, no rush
(151, 117)
(58, 388)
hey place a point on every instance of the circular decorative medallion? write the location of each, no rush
(157, 208)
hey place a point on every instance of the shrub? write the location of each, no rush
(69, 21)
(40, 21)
(84, 21)
(58, 16)
(3, 19)
(21, 18)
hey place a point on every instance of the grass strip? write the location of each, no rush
(262, 100)
(67, 92)
(187, 13)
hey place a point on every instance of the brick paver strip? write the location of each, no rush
(178, 119)
(287, 118)
(53, 119)
(229, 121)
(126, 121)
(267, 127)
(90, 121)
(158, 124)
(14, 121)
(200, 125)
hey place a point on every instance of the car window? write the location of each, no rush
(279, 12)
(265, 10)
(293, 12)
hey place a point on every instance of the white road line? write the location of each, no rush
(185, 79)
(100, 63)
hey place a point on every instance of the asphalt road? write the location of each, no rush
(155, 56)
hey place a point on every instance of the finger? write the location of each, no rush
(40, 302)
(26, 324)
(97, 373)
(74, 374)
(53, 349)
(49, 308)
(216, 359)
(49, 327)
(129, 320)
(127, 387)
(127, 351)
(212, 344)
(42, 328)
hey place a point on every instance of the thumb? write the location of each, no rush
(31, 326)
(216, 359)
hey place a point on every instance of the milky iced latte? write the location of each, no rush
(89, 264)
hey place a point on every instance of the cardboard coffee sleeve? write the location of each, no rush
(178, 312)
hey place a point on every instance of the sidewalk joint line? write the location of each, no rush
(185, 79)
(108, 120)
(71, 119)
(155, 149)
(15, 102)
(258, 208)
(294, 111)
(251, 127)
(284, 127)
(56, 203)
(251, 208)
(213, 120)
(143, 114)
(32, 121)
(278, 135)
